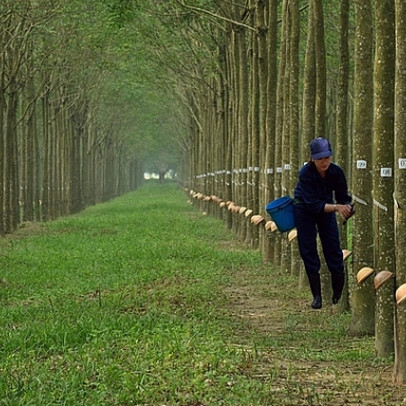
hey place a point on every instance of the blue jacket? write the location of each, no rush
(314, 191)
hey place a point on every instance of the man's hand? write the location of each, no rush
(347, 212)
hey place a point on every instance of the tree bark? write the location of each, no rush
(294, 137)
(342, 154)
(384, 77)
(363, 296)
(320, 55)
(269, 193)
(400, 188)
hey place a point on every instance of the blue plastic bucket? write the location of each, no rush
(281, 212)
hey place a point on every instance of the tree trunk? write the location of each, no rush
(294, 145)
(46, 171)
(269, 191)
(278, 154)
(263, 100)
(400, 188)
(11, 191)
(384, 77)
(242, 104)
(342, 155)
(2, 140)
(285, 125)
(363, 296)
(320, 55)
(308, 107)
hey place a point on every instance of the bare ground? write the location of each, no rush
(305, 356)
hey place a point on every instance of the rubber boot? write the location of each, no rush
(337, 282)
(315, 287)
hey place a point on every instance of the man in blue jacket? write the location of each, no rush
(320, 193)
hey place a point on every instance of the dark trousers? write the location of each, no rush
(308, 225)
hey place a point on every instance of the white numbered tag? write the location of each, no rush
(386, 172)
(402, 163)
(361, 164)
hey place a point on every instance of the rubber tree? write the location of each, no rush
(258, 114)
(262, 38)
(282, 142)
(383, 162)
(320, 65)
(362, 296)
(279, 250)
(308, 106)
(241, 103)
(294, 136)
(14, 37)
(400, 188)
(343, 144)
(30, 165)
(269, 192)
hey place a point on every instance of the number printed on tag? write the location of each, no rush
(402, 163)
(386, 172)
(361, 164)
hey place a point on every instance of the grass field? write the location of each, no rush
(145, 301)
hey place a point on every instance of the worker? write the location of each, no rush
(320, 193)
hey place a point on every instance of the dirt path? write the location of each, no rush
(305, 355)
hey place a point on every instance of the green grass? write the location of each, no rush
(119, 305)
(126, 304)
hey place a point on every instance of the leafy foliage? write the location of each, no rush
(131, 92)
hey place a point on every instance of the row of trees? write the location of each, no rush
(235, 91)
(78, 124)
(57, 155)
(276, 74)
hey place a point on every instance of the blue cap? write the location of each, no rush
(320, 148)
